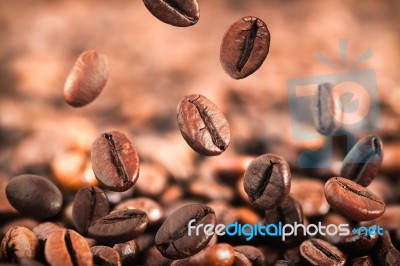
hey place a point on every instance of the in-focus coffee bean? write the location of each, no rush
(203, 125)
(34, 195)
(176, 13)
(267, 181)
(115, 161)
(19, 242)
(103, 255)
(353, 200)
(363, 161)
(244, 47)
(86, 79)
(319, 252)
(173, 239)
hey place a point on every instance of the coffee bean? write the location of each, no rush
(19, 242)
(255, 255)
(267, 181)
(353, 200)
(282, 263)
(128, 252)
(211, 190)
(115, 161)
(86, 79)
(153, 210)
(335, 219)
(388, 220)
(153, 180)
(154, 258)
(363, 161)
(384, 251)
(244, 47)
(43, 230)
(173, 12)
(292, 255)
(24, 222)
(202, 125)
(326, 110)
(119, 226)
(105, 256)
(90, 204)
(219, 254)
(224, 213)
(67, 247)
(173, 239)
(318, 252)
(358, 243)
(241, 260)
(34, 195)
(271, 254)
(362, 261)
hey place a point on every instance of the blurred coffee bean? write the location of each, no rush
(363, 161)
(244, 47)
(384, 251)
(219, 254)
(119, 226)
(358, 243)
(255, 255)
(115, 197)
(292, 255)
(271, 254)
(171, 194)
(362, 261)
(318, 252)
(90, 204)
(153, 257)
(34, 195)
(334, 219)
(241, 260)
(382, 187)
(86, 79)
(224, 213)
(388, 220)
(391, 160)
(106, 256)
(153, 180)
(5, 206)
(128, 252)
(353, 200)
(145, 241)
(44, 230)
(24, 222)
(115, 161)
(153, 210)
(19, 242)
(202, 125)
(247, 215)
(175, 13)
(174, 240)
(211, 190)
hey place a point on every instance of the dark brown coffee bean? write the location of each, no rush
(362, 261)
(153, 210)
(384, 251)
(244, 47)
(353, 200)
(327, 114)
(34, 195)
(43, 230)
(267, 181)
(255, 255)
(90, 204)
(363, 161)
(202, 125)
(358, 243)
(86, 79)
(271, 254)
(115, 161)
(318, 252)
(219, 254)
(119, 226)
(153, 257)
(19, 242)
(292, 255)
(128, 252)
(174, 12)
(105, 256)
(241, 260)
(67, 247)
(174, 240)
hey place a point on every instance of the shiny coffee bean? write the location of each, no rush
(153, 210)
(119, 226)
(67, 247)
(86, 79)
(358, 243)
(90, 204)
(202, 125)
(128, 252)
(34, 195)
(173, 239)
(255, 255)
(353, 200)
(326, 111)
(318, 252)
(115, 161)
(384, 251)
(267, 181)
(244, 47)
(176, 13)
(19, 242)
(43, 230)
(105, 256)
(219, 254)
(363, 161)
(362, 261)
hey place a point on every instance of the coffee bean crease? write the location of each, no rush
(174, 6)
(116, 158)
(266, 177)
(70, 248)
(248, 43)
(364, 194)
(325, 251)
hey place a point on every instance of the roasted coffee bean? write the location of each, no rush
(244, 47)
(202, 125)
(105, 256)
(271, 254)
(115, 161)
(175, 241)
(326, 111)
(318, 252)
(255, 255)
(153, 210)
(43, 230)
(24, 222)
(292, 255)
(353, 200)
(241, 260)
(90, 204)
(363, 161)
(128, 252)
(219, 254)
(173, 12)
(19, 242)
(154, 258)
(67, 247)
(388, 220)
(358, 243)
(119, 226)
(362, 261)
(211, 190)
(384, 251)
(267, 181)
(224, 213)
(86, 79)
(34, 195)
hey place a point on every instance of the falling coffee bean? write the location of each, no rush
(105, 256)
(319, 252)
(115, 161)
(267, 181)
(175, 241)
(86, 79)
(173, 12)
(202, 125)
(353, 200)
(244, 47)
(19, 242)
